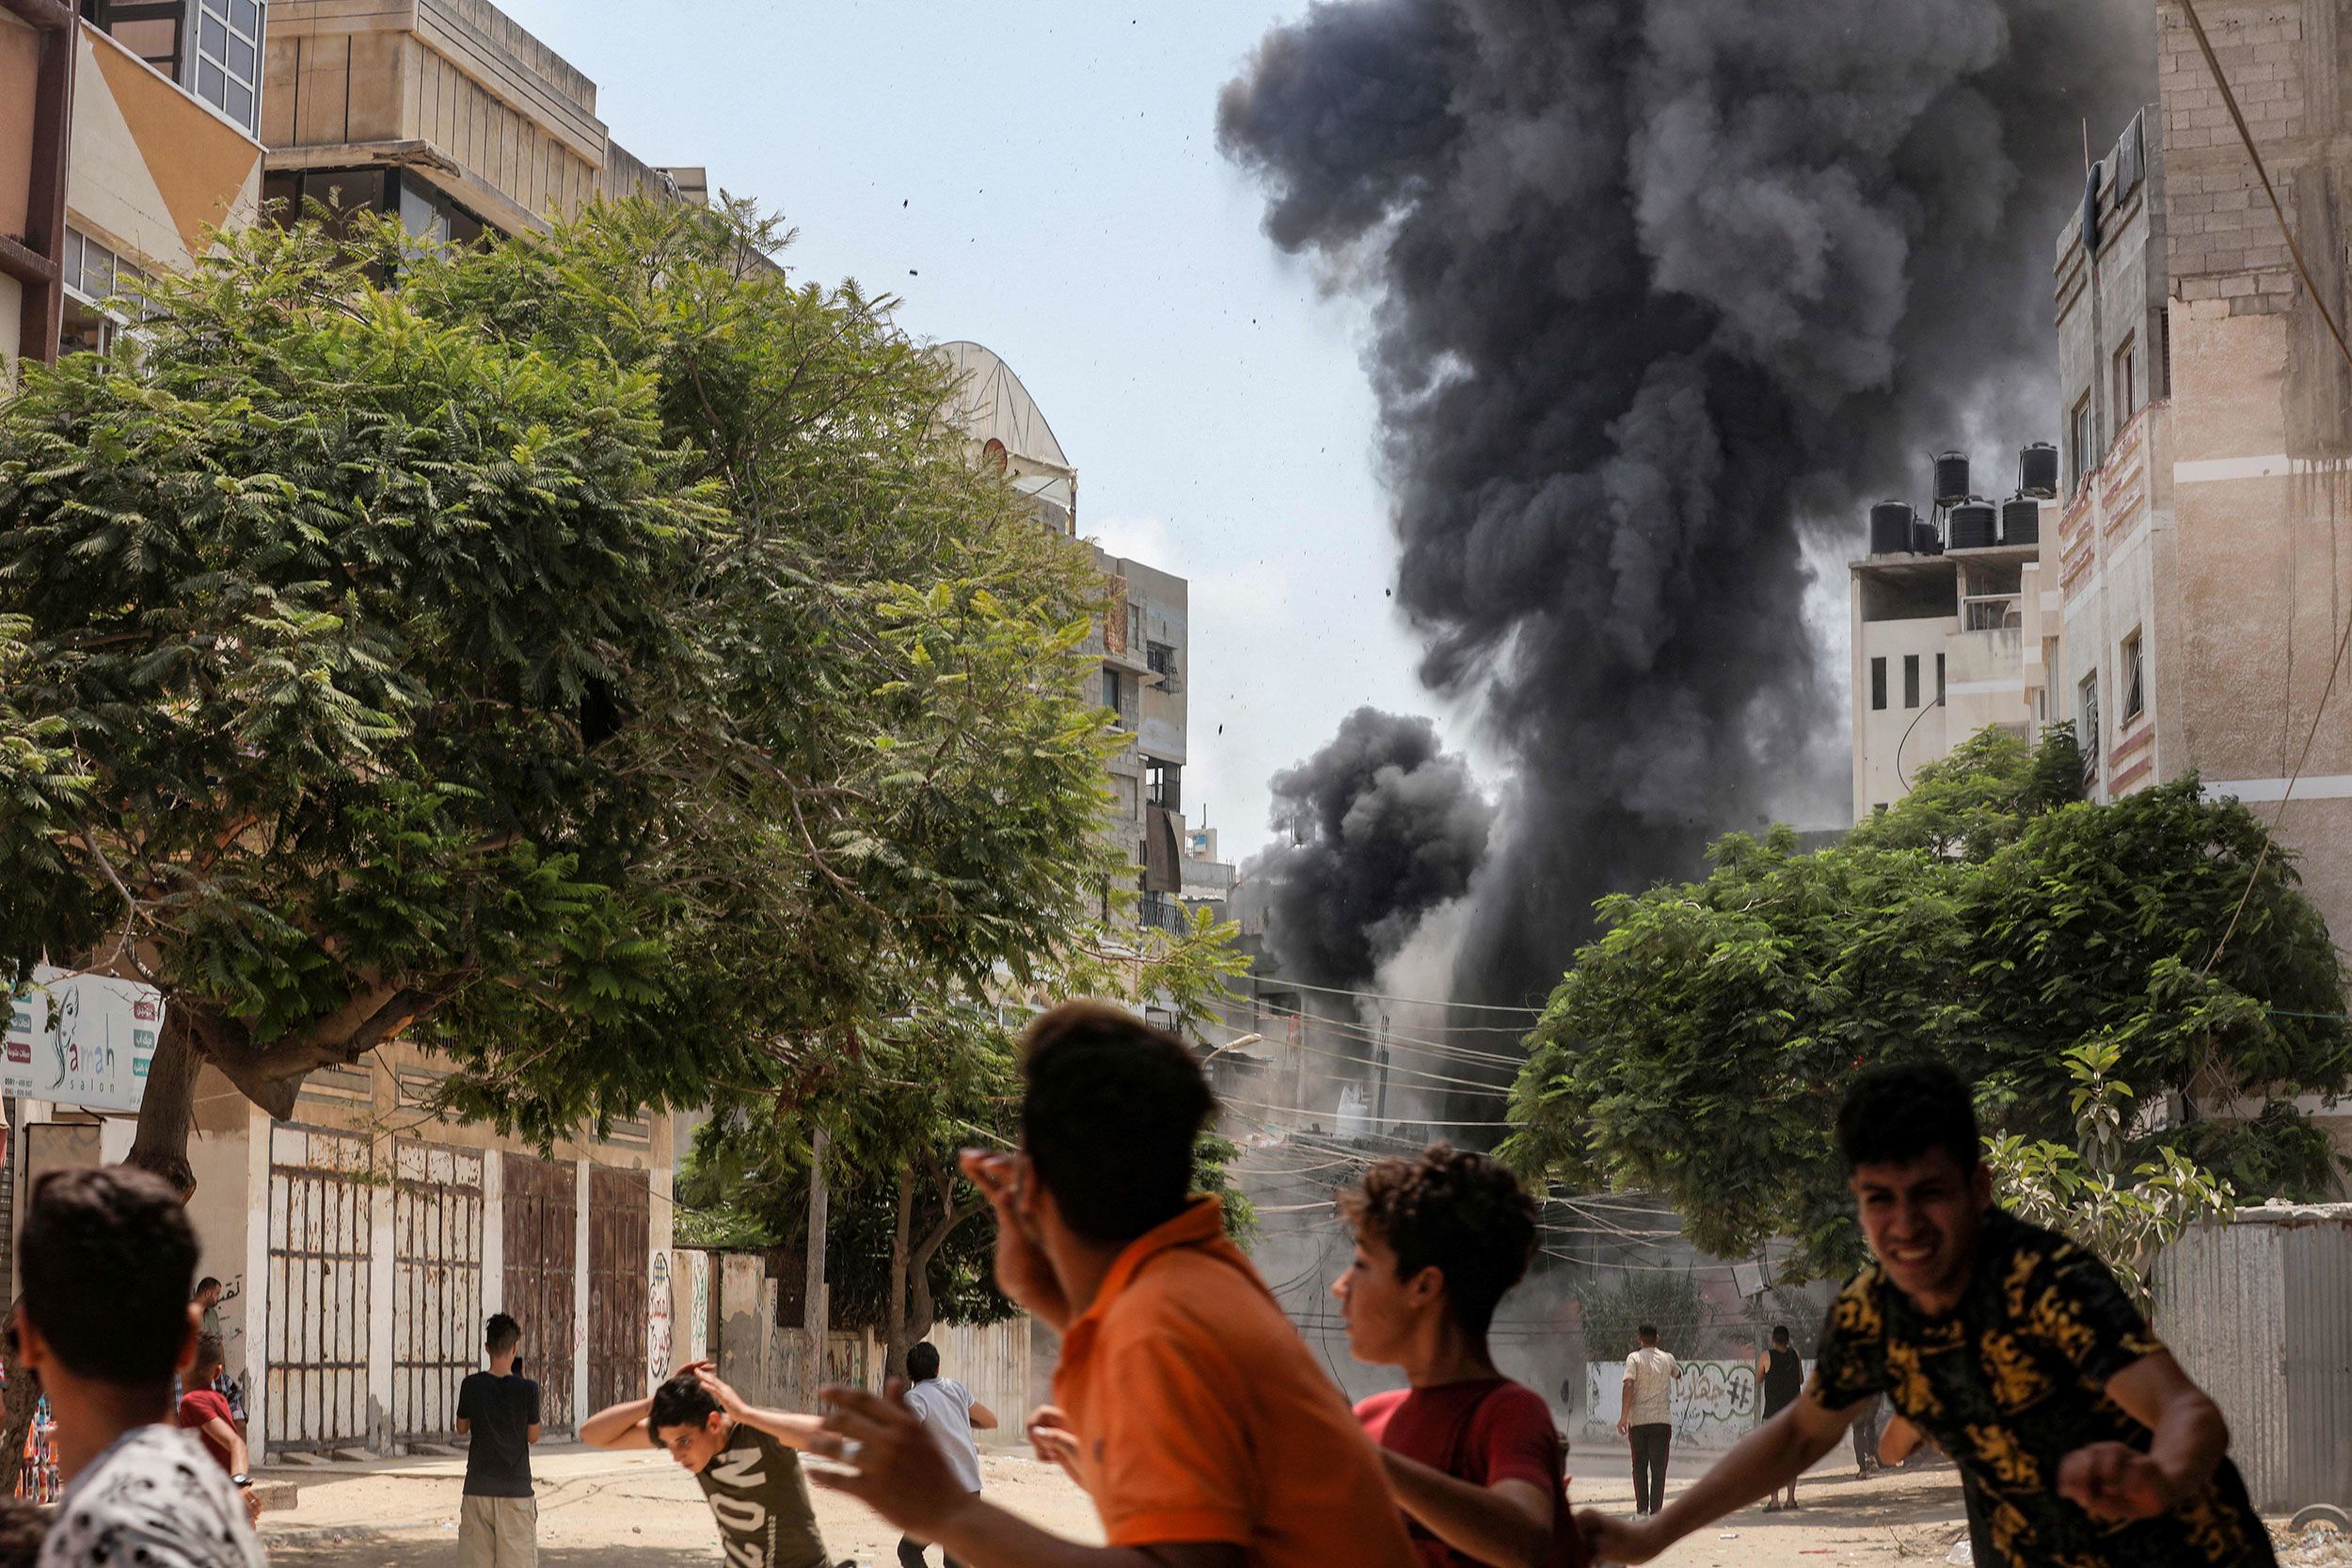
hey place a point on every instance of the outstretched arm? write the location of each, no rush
(2112, 1481)
(983, 1418)
(1508, 1523)
(1771, 1457)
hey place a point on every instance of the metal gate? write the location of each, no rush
(542, 1206)
(620, 1239)
(319, 1235)
(437, 1284)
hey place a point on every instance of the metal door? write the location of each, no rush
(542, 1247)
(619, 1257)
(437, 1284)
(320, 1238)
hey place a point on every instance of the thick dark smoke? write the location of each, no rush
(1659, 285)
(1384, 829)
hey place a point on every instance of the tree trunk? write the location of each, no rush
(898, 1339)
(168, 1108)
(16, 1413)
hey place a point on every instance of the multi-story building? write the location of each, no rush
(1952, 625)
(447, 112)
(1141, 643)
(119, 145)
(2206, 544)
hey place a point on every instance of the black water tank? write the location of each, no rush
(1951, 478)
(1973, 526)
(1890, 528)
(2021, 521)
(2037, 472)
(1924, 539)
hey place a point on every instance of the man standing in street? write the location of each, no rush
(497, 1522)
(1646, 1418)
(2079, 1439)
(1195, 1417)
(745, 1459)
(949, 1413)
(106, 1321)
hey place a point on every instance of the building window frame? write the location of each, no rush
(2082, 436)
(1910, 681)
(1939, 680)
(2131, 674)
(2086, 719)
(1878, 685)
(2126, 379)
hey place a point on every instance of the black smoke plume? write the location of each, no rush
(1384, 828)
(1657, 285)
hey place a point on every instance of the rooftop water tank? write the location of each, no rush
(1974, 526)
(1951, 478)
(1924, 539)
(2038, 471)
(2021, 521)
(1890, 528)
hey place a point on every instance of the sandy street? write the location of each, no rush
(639, 1510)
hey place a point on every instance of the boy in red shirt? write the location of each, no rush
(1472, 1457)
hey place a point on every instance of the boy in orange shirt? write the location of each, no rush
(1186, 1403)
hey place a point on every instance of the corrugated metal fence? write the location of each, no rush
(2259, 1312)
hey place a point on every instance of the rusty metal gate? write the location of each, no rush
(437, 1284)
(319, 1235)
(542, 1204)
(620, 1240)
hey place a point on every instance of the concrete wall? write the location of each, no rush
(1891, 743)
(152, 165)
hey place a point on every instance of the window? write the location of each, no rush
(2130, 671)
(2127, 382)
(1878, 685)
(1110, 690)
(212, 48)
(1939, 680)
(2079, 439)
(2087, 715)
(1910, 680)
(227, 60)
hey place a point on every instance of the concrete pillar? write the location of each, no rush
(380, 1303)
(257, 1283)
(493, 1233)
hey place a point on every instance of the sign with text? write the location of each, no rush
(82, 1040)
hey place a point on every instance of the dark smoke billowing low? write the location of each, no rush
(1384, 828)
(1657, 285)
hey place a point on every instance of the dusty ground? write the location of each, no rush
(632, 1510)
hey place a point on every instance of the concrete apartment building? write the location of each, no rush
(1142, 642)
(112, 162)
(2205, 545)
(1952, 625)
(366, 1238)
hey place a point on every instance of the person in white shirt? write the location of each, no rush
(949, 1414)
(1646, 1418)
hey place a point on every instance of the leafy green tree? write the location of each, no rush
(2080, 1189)
(595, 657)
(1700, 1047)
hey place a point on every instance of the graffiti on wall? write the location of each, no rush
(698, 1321)
(1716, 1402)
(657, 1340)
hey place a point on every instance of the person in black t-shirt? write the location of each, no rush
(1781, 1376)
(499, 1524)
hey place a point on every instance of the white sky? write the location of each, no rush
(1041, 176)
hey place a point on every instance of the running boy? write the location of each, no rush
(107, 1320)
(1471, 1456)
(1195, 1417)
(497, 1522)
(951, 1413)
(745, 1459)
(2079, 1439)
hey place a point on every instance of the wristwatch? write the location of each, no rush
(243, 1483)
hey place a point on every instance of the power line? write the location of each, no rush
(1284, 982)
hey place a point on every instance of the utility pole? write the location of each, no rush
(1380, 1105)
(816, 1310)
